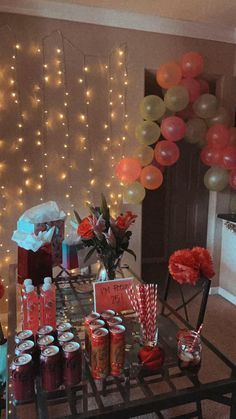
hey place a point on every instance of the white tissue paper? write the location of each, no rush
(72, 236)
(43, 213)
(31, 241)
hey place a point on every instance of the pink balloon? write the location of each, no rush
(229, 157)
(218, 136)
(211, 156)
(128, 169)
(192, 64)
(232, 178)
(193, 87)
(204, 86)
(173, 128)
(166, 153)
(151, 177)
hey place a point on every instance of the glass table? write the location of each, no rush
(135, 392)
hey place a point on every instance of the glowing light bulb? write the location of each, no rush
(58, 50)
(17, 46)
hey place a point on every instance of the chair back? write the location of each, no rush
(183, 297)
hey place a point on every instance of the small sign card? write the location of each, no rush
(112, 295)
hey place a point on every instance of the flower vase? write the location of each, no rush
(108, 269)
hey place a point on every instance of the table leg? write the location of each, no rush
(233, 405)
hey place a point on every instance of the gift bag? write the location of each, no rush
(35, 265)
(69, 255)
(41, 218)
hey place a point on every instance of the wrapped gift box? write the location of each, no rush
(34, 265)
(58, 236)
(69, 255)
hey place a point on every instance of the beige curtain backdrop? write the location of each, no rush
(70, 175)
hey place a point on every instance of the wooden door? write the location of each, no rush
(175, 215)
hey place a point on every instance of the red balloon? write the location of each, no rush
(166, 153)
(229, 157)
(218, 136)
(192, 64)
(193, 87)
(151, 177)
(211, 156)
(128, 169)
(173, 128)
(204, 86)
(232, 179)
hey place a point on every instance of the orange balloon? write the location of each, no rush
(128, 169)
(151, 177)
(169, 75)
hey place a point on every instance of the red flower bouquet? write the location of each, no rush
(186, 266)
(106, 235)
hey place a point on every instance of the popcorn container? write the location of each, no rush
(189, 351)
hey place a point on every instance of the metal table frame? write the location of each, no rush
(218, 391)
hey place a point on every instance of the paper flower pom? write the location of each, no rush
(183, 267)
(204, 260)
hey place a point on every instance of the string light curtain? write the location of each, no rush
(64, 126)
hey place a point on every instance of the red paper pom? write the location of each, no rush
(183, 267)
(151, 358)
(204, 260)
(2, 289)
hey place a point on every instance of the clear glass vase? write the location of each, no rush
(108, 269)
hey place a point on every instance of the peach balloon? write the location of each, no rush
(192, 64)
(151, 177)
(211, 156)
(229, 157)
(168, 75)
(128, 169)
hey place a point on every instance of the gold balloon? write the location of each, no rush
(176, 98)
(133, 193)
(152, 108)
(221, 117)
(144, 154)
(206, 106)
(147, 132)
(216, 178)
(196, 130)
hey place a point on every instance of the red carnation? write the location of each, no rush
(204, 261)
(183, 267)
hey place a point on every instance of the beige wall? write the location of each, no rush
(144, 51)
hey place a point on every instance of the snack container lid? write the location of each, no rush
(101, 332)
(50, 351)
(27, 344)
(118, 328)
(71, 346)
(114, 320)
(65, 337)
(62, 327)
(46, 340)
(45, 330)
(92, 316)
(24, 334)
(22, 359)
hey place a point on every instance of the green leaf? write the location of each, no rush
(131, 253)
(105, 211)
(89, 254)
(78, 219)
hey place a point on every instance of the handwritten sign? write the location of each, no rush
(112, 295)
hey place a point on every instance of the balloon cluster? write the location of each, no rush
(187, 111)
